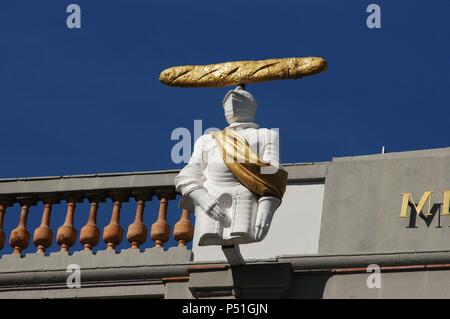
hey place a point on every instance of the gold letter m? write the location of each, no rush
(406, 200)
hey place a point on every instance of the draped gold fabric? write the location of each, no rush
(257, 175)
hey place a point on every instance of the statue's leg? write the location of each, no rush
(209, 229)
(243, 216)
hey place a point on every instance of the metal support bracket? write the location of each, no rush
(233, 255)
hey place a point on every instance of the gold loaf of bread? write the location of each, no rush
(241, 72)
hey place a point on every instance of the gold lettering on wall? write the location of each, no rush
(407, 200)
(446, 203)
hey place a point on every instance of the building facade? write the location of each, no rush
(375, 226)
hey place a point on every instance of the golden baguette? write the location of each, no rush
(241, 72)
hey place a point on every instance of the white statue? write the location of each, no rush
(234, 201)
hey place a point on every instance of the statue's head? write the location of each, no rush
(239, 106)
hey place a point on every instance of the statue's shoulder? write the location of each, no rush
(266, 130)
(208, 137)
(205, 142)
(268, 134)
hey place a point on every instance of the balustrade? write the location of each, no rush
(89, 234)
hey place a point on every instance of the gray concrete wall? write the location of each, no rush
(169, 274)
(363, 198)
(431, 284)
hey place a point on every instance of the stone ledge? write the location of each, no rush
(87, 260)
(117, 181)
(437, 152)
(258, 278)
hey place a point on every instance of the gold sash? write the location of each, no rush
(257, 175)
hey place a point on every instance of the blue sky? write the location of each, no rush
(89, 100)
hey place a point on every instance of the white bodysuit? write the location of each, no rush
(207, 169)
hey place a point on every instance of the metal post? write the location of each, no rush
(233, 255)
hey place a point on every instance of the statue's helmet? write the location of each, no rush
(239, 106)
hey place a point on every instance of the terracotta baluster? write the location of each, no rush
(183, 231)
(90, 234)
(67, 234)
(137, 231)
(113, 232)
(160, 231)
(43, 234)
(3, 205)
(20, 236)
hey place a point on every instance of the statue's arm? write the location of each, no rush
(191, 176)
(189, 182)
(270, 148)
(267, 205)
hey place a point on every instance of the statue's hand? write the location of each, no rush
(218, 214)
(264, 215)
(209, 205)
(264, 219)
